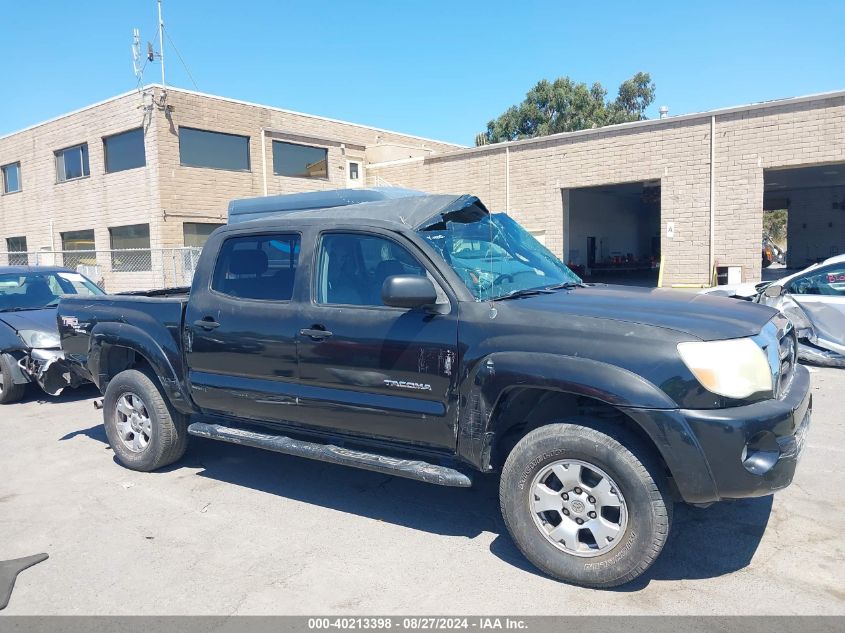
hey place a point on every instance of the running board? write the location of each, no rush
(412, 469)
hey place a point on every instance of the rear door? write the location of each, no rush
(369, 369)
(241, 328)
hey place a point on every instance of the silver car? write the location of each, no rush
(814, 300)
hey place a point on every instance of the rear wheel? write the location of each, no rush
(143, 430)
(585, 506)
(9, 391)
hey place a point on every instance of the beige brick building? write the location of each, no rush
(143, 171)
(154, 172)
(652, 187)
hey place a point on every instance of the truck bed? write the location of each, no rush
(149, 323)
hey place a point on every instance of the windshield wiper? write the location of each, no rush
(525, 292)
(567, 285)
(19, 309)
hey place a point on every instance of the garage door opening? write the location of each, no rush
(613, 232)
(812, 199)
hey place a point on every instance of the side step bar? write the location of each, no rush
(412, 469)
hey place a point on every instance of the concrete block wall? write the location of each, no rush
(542, 172)
(165, 194)
(675, 151)
(193, 194)
(44, 208)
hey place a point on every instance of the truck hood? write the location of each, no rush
(39, 320)
(701, 316)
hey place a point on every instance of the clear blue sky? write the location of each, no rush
(437, 69)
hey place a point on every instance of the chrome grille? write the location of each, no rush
(788, 351)
(786, 358)
(780, 344)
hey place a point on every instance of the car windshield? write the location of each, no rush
(494, 256)
(39, 289)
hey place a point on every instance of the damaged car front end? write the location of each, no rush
(30, 350)
(814, 300)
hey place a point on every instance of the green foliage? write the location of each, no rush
(565, 106)
(774, 225)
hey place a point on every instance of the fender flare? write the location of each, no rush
(111, 334)
(494, 375)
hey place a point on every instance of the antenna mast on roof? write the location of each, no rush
(161, 44)
(136, 55)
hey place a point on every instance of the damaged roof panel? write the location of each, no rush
(403, 207)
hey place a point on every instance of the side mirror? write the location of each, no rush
(774, 291)
(408, 291)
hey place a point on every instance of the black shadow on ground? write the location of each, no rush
(84, 392)
(704, 543)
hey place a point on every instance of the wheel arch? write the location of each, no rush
(115, 347)
(511, 395)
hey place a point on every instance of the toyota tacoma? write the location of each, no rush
(422, 336)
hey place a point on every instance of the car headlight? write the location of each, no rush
(736, 368)
(40, 340)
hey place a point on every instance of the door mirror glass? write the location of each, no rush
(774, 291)
(408, 291)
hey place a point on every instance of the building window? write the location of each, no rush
(72, 163)
(11, 177)
(300, 161)
(124, 151)
(196, 233)
(78, 247)
(354, 171)
(17, 251)
(257, 267)
(216, 150)
(130, 248)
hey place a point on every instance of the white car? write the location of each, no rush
(814, 300)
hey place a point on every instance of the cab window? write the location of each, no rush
(257, 267)
(353, 267)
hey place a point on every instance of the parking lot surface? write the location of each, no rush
(232, 530)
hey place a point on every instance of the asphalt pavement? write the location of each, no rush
(233, 530)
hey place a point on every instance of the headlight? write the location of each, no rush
(40, 340)
(736, 368)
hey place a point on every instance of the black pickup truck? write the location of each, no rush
(421, 335)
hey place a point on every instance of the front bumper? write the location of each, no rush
(47, 368)
(768, 435)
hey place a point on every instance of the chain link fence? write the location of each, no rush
(118, 270)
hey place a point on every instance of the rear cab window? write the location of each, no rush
(259, 267)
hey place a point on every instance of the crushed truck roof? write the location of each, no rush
(404, 207)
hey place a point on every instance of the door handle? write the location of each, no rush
(207, 323)
(315, 333)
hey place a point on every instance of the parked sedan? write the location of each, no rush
(29, 341)
(814, 300)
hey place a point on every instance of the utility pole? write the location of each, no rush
(161, 44)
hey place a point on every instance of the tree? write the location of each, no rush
(565, 106)
(774, 225)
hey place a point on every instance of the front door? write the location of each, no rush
(354, 173)
(369, 369)
(821, 295)
(241, 332)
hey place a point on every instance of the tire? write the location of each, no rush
(640, 511)
(9, 391)
(144, 431)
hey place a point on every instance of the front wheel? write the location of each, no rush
(143, 430)
(585, 506)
